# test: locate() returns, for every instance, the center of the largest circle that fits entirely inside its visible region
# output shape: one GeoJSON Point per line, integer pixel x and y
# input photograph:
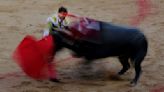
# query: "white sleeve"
{"type": "Point", "coordinates": [45, 32]}
{"type": "Point", "coordinates": [50, 19]}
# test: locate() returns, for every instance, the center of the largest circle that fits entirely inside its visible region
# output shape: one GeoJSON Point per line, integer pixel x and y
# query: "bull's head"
{"type": "Point", "coordinates": [62, 39]}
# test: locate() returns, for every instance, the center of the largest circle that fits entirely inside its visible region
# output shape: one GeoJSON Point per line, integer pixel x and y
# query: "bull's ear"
{"type": "Point", "coordinates": [66, 35]}
{"type": "Point", "coordinates": [56, 36]}
{"type": "Point", "coordinates": [62, 33]}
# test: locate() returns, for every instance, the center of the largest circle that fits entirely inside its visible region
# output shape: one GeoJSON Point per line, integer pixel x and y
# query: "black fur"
{"type": "Point", "coordinates": [123, 42]}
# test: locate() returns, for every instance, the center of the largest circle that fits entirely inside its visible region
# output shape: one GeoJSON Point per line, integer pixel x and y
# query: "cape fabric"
{"type": "Point", "coordinates": [35, 57]}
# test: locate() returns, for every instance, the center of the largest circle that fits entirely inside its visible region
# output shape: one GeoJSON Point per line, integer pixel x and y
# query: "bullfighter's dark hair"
{"type": "Point", "coordinates": [62, 9]}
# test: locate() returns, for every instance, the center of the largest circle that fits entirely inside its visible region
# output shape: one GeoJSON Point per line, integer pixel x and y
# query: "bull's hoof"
{"type": "Point", "coordinates": [87, 62]}
{"type": "Point", "coordinates": [133, 83]}
{"type": "Point", "coordinates": [54, 80]}
{"type": "Point", "coordinates": [120, 73]}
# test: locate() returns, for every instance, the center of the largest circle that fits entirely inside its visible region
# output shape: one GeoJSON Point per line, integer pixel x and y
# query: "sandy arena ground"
{"type": "Point", "coordinates": [21, 17]}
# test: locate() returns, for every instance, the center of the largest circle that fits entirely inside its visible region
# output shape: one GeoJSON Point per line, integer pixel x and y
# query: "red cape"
{"type": "Point", "coordinates": [34, 56]}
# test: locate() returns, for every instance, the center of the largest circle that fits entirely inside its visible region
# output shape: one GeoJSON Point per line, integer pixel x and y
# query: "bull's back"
{"type": "Point", "coordinates": [119, 35]}
{"type": "Point", "coordinates": [117, 40]}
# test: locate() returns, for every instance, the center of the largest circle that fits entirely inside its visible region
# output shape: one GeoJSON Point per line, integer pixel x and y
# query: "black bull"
{"type": "Point", "coordinates": [123, 42]}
